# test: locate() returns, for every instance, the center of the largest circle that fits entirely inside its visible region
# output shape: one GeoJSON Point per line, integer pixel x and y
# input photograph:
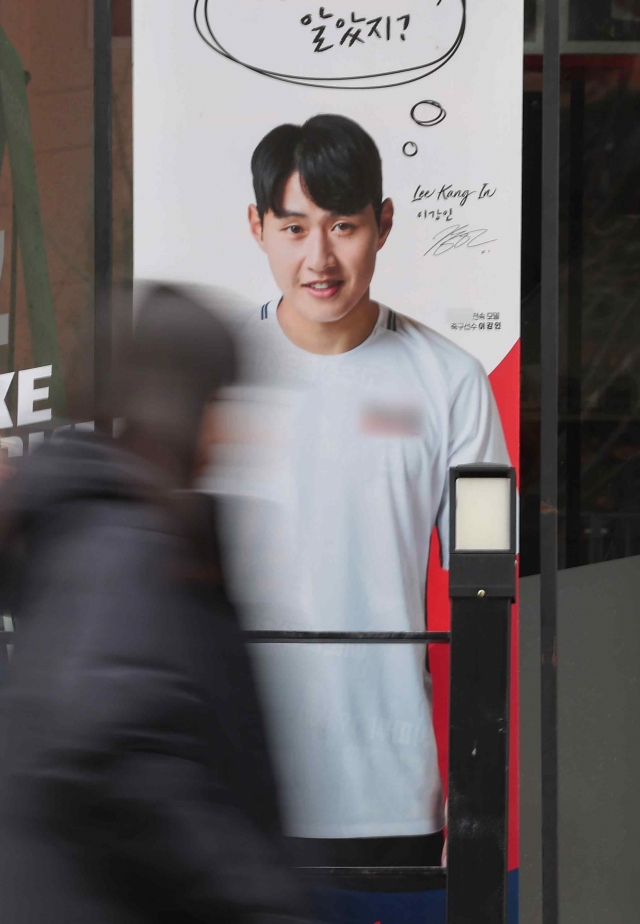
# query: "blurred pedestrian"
{"type": "Point", "coordinates": [135, 783]}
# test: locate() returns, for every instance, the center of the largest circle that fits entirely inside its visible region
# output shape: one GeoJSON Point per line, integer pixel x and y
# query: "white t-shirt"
{"type": "Point", "coordinates": [338, 481]}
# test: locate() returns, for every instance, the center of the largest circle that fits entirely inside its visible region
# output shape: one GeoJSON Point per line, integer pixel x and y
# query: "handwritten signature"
{"type": "Point", "coordinates": [456, 237]}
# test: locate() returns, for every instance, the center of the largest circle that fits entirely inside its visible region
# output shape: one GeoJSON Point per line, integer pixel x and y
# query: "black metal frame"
{"type": "Point", "coordinates": [478, 760]}
{"type": "Point", "coordinates": [413, 878]}
{"type": "Point", "coordinates": [573, 411]}
{"type": "Point", "coordinates": [549, 332]}
{"type": "Point", "coordinates": [356, 638]}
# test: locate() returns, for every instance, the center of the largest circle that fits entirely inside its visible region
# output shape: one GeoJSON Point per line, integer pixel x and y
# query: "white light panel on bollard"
{"type": "Point", "coordinates": [483, 515]}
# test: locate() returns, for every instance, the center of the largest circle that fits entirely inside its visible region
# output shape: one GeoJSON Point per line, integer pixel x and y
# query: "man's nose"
{"type": "Point", "coordinates": [320, 256]}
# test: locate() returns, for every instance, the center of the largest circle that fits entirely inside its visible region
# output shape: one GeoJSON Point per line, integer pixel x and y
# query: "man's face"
{"type": "Point", "coordinates": [323, 263]}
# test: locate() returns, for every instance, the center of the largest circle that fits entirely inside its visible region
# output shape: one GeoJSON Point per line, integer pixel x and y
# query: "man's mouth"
{"type": "Point", "coordinates": [325, 289]}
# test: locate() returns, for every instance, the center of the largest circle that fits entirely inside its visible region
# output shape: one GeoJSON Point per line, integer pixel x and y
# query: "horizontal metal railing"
{"type": "Point", "coordinates": [358, 638]}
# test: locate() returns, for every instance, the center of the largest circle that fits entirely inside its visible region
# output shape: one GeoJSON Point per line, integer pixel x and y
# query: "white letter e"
{"type": "Point", "coordinates": [28, 395]}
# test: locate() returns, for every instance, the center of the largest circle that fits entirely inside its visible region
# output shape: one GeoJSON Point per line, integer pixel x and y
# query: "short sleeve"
{"type": "Point", "coordinates": [475, 435]}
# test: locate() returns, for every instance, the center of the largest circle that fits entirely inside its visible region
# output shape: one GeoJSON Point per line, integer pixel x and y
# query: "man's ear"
{"type": "Point", "coordinates": [386, 222]}
{"type": "Point", "coordinates": [255, 224]}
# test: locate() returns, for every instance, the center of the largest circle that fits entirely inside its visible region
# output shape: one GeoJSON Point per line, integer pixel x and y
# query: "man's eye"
{"type": "Point", "coordinates": [294, 229]}
{"type": "Point", "coordinates": [344, 226]}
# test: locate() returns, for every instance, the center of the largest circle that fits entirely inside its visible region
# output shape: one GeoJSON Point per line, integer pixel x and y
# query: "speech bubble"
{"type": "Point", "coordinates": [356, 45]}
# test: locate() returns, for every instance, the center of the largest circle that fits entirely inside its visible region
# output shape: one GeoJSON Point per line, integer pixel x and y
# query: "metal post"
{"type": "Point", "coordinates": [103, 207]}
{"type": "Point", "coordinates": [549, 458]}
{"type": "Point", "coordinates": [482, 589]}
{"type": "Point", "coordinates": [478, 762]}
{"type": "Point", "coordinates": [573, 474]}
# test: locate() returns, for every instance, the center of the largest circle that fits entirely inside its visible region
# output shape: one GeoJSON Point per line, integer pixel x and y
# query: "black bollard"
{"type": "Point", "coordinates": [482, 590]}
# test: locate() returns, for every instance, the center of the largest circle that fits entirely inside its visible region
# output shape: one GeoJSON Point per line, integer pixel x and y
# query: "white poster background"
{"type": "Point", "coordinates": [199, 115]}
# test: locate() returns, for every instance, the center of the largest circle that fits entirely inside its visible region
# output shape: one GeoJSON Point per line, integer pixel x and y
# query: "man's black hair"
{"type": "Point", "coordinates": [338, 162]}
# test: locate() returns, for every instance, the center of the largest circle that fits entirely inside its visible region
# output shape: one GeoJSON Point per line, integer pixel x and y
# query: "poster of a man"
{"type": "Point", "coordinates": [375, 293]}
{"type": "Point", "coordinates": [371, 409]}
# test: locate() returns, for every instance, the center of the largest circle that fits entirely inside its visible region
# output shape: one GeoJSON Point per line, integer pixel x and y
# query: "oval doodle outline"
{"type": "Point", "coordinates": [442, 115]}
{"type": "Point", "coordinates": [406, 144]}
{"type": "Point", "coordinates": [331, 82]}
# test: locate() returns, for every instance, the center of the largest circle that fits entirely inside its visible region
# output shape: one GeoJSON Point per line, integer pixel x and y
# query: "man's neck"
{"type": "Point", "coordinates": [329, 338]}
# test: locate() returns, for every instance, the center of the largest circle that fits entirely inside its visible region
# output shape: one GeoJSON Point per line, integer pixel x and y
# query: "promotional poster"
{"type": "Point", "coordinates": [296, 109]}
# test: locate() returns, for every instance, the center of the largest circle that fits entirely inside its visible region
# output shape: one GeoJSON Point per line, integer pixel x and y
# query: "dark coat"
{"type": "Point", "coordinates": [135, 784]}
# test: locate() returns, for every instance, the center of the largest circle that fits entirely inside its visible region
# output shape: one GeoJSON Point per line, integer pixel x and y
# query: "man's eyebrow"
{"type": "Point", "coordinates": [285, 214]}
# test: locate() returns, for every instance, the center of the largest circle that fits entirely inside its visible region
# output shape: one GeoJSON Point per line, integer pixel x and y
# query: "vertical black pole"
{"type": "Point", "coordinates": [103, 207]}
{"type": "Point", "coordinates": [482, 587]}
{"type": "Point", "coordinates": [478, 761]}
{"type": "Point", "coordinates": [549, 458]}
{"type": "Point", "coordinates": [574, 327]}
